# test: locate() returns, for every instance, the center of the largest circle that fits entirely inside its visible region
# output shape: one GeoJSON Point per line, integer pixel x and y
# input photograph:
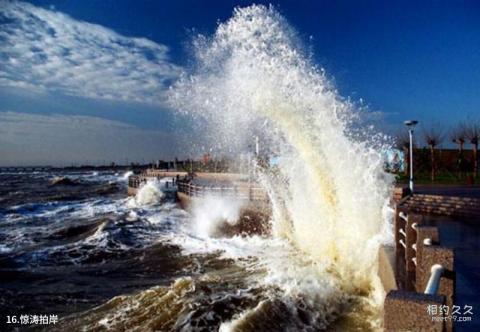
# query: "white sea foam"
{"type": "Point", "coordinates": [4, 249]}
{"type": "Point", "coordinates": [330, 191]}
{"type": "Point", "coordinates": [126, 175]}
{"type": "Point", "coordinates": [210, 212]}
{"type": "Point", "coordinates": [132, 216]}
{"type": "Point", "coordinates": [149, 193]}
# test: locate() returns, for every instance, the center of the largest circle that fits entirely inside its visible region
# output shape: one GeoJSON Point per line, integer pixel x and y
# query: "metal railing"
{"type": "Point", "coordinates": [433, 283]}
{"type": "Point", "coordinates": [423, 267]}
{"type": "Point", "coordinates": [249, 192]}
{"type": "Point", "coordinates": [437, 270]}
{"type": "Point", "coordinates": [407, 238]}
{"type": "Point", "coordinates": [136, 181]}
{"type": "Point", "coordinates": [414, 245]}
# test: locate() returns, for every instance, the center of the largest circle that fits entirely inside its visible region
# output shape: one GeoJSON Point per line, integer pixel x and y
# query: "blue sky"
{"type": "Point", "coordinates": [403, 59]}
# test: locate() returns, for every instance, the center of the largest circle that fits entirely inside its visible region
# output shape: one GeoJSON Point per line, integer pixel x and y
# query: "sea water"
{"type": "Point", "coordinates": [101, 260]}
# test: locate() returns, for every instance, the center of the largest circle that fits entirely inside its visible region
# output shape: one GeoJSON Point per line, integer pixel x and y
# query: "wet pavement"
{"type": "Point", "coordinates": [464, 237]}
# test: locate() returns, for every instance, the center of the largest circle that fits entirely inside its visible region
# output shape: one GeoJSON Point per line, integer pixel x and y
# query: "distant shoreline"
{"type": "Point", "coordinates": [73, 168]}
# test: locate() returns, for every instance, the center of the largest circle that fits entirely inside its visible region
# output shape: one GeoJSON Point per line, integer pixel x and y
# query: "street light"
{"type": "Point", "coordinates": [411, 124]}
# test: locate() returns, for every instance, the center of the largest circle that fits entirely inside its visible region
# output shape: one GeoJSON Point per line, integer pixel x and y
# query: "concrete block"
{"type": "Point", "coordinates": [438, 255]}
{"type": "Point", "coordinates": [409, 311]}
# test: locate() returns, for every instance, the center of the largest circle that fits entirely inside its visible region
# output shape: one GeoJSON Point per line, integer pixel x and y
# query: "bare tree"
{"type": "Point", "coordinates": [458, 135]}
{"type": "Point", "coordinates": [433, 137]}
{"type": "Point", "coordinates": [473, 135]}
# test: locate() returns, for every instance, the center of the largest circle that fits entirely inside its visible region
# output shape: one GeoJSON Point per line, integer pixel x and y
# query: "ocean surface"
{"type": "Point", "coordinates": [101, 260]}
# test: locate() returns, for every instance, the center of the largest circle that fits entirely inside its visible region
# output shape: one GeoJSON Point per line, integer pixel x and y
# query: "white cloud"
{"type": "Point", "coordinates": [29, 139]}
{"type": "Point", "coordinates": [45, 50]}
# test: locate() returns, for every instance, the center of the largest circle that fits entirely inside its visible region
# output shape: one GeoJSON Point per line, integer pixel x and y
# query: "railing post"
{"type": "Point", "coordinates": [400, 246]}
{"type": "Point", "coordinates": [434, 281]}
{"type": "Point", "coordinates": [425, 234]}
{"type": "Point", "coordinates": [410, 244]}
{"type": "Point", "coordinates": [407, 311]}
{"type": "Point", "coordinates": [432, 255]}
{"type": "Point", "coordinates": [398, 223]}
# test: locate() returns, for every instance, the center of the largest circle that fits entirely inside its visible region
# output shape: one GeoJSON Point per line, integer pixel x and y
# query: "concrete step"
{"type": "Point", "coordinates": [444, 205]}
{"type": "Point", "coordinates": [453, 202]}
{"type": "Point", "coordinates": [439, 210]}
{"type": "Point", "coordinates": [443, 211]}
{"type": "Point", "coordinates": [445, 199]}
{"type": "Point", "coordinates": [457, 203]}
{"type": "Point", "coordinates": [449, 198]}
{"type": "Point", "coordinates": [447, 214]}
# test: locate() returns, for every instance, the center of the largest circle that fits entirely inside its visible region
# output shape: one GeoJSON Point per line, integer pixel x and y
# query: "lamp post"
{"type": "Point", "coordinates": [411, 125]}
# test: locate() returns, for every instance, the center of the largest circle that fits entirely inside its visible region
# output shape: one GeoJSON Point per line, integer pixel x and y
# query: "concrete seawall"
{"type": "Point", "coordinates": [386, 267]}
{"type": "Point", "coordinates": [255, 212]}
{"type": "Point", "coordinates": [254, 216]}
{"type": "Point", "coordinates": [136, 181]}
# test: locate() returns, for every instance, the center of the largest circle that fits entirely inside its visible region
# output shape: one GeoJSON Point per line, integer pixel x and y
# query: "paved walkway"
{"type": "Point", "coordinates": [464, 237]}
